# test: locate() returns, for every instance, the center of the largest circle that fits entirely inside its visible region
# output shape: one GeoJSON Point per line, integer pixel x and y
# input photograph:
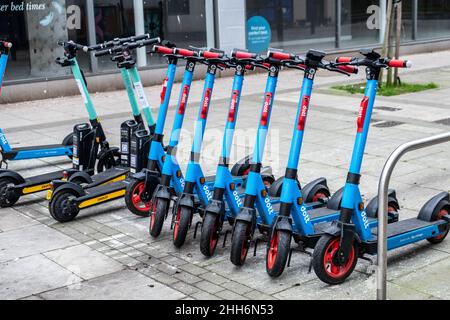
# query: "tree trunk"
{"type": "Point", "coordinates": [397, 40]}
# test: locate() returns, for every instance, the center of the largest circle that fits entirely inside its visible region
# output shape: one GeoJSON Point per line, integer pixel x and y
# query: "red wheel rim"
{"type": "Point", "coordinates": [177, 223]}
{"type": "Point", "coordinates": [246, 171]}
{"type": "Point", "coordinates": [153, 213]}
{"type": "Point", "coordinates": [214, 236]}
{"type": "Point", "coordinates": [441, 213]}
{"type": "Point", "coordinates": [244, 248]}
{"type": "Point", "coordinates": [333, 270]}
{"type": "Point", "coordinates": [273, 250]}
{"type": "Point", "coordinates": [319, 196]}
{"type": "Point", "coordinates": [138, 204]}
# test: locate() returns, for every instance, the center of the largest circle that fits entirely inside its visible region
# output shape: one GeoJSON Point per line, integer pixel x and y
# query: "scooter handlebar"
{"type": "Point", "coordinates": [399, 63]}
{"type": "Point", "coordinates": [163, 50]}
{"type": "Point", "coordinates": [344, 59]}
{"type": "Point", "coordinates": [241, 54]}
{"type": "Point", "coordinates": [278, 55]}
{"type": "Point", "coordinates": [6, 44]}
{"type": "Point", "coordinates": [212, 54]}
{"type": "Point", "coordinates": [348, 69]}
{"type": "Point", "coordinates": [73, 45]}
{"type": "Point", "coordinates": [184, 52]}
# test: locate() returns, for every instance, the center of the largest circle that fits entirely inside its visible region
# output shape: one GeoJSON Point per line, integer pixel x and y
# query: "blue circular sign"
{"type": "Point", "coordinates": [259, 34]}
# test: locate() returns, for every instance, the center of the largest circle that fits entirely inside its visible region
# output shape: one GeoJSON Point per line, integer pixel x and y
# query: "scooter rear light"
{"type": "Point", "coordinates": [65, 175]}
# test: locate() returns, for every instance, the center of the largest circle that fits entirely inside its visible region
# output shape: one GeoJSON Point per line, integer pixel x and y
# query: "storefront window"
{"type": "Point", "coordinates": [433, 19]}
{"type": "Point", "coordinates": [182, 22]}
{"type": "Point", "coordinates": [34, 27]}
{"type": "Point", "coordinates": [360, 23]}
{"type": "Point", "coordinates": [296, 24]}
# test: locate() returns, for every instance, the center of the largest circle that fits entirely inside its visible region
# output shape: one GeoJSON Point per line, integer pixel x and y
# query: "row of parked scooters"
{"type": "Point", "coordinates": [144, 171]}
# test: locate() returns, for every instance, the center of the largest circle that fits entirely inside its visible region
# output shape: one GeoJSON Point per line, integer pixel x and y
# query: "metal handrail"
{"type": "Point", "coordinates": [383, 202]}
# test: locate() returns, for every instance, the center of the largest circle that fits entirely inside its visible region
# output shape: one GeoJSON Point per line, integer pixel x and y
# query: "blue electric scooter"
{"type": "Point", "coordinates": [227, 196]}
{"type": "Point", "coordinates": [9, 153]}
{"type": "Point", "coordinates": [163, 169]}
{"type": "Point", "coordinates": [337, 251]}
{"type": "Point", "coordinates": [314, 196]}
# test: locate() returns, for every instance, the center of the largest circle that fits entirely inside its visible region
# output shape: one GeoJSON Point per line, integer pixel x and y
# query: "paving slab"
{"type": "Point", "coordinates": [31, 275]}
{"type": "Point", "coordinates": [84, 262]}
{"type": "Point", "coordinates": [31, 240]}
{"type": "Point", "coordinates": [127, 284]}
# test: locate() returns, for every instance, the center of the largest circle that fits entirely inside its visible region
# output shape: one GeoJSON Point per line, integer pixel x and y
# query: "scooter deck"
{"type": "Point", "coordinates": [314, 213]}
{"type": "Point", "coordinates": [102, 190]}
{"type": "Point", "coordinates": [403, 226]}
{"type": "Point", "coordinates": [42, 178]}
{"type": "Point", "coordinates": [107, 176]}
{"type": "Point", "coordinates": [31, 148]}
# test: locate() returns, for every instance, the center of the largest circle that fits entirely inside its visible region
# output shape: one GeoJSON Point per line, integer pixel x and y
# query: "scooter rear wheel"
{"type": "Point", "coordinates": [108, 160]}
{"type": "Point", "coordinates": [160, 208]}
{"type": "Point", "coordinates": [438, 215]}
{"type": "Point", "coordinates": [8, 198]}
{"type": "Point", "coordinates": [68, 142]}
{"type": "Point", "coordinates": [240, 243]}
{"type": "Point", "coordinates": [325, 260]}
{"type": "Point", "coordinates": [182, 221]}
{"type": "Point", "coordinates": [60, 209]}
{"type": "Point", "coordinates": [133, 198]}
{"type": "Point", "coordinates": [210, 234]}
{"type": "Point", "coordinates": [277, 252]}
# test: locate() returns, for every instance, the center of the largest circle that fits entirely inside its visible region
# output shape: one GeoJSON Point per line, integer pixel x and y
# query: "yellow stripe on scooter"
{"type": "Point", "coordinates": [110, 196]}
{"type": "Point", "coordinates": [120, 178]}
{"type": "Point", "coordinates": [38, 188]}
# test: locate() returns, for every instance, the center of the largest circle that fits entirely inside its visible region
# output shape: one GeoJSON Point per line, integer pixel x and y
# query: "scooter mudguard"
{"type": "Point", "coordinates": [139, 176]}
{"type": "Point", "coordinates": [186, 200]}
{"type": "Point", "coordinates": [339, 229]}
{"type": "Point", "coordinates": [241, 166]}
{"type": "Point", "coordinates": [108, 153]}
{"type": "Point", "coordinates": [163, 192]}
{"type": "Point", "coordinates": [61, 185]}
{"type": "Point", "coordinates": [80, 175]}
{"type": "Point", "coordinates": [334, 203]}
{"type": "Point", "coordinates": [310, 189]}
{"type": "Point", "coordinates": [372, 206]}
{"type": "Point", "coordinates": [216, 207]}
{"type": "Point", "coordinates": [275, 188]}
{"type": "Point", "coordinates": [247, 215]}
{"type": "Point", "coordinates": [433, 205]}
{"type": "Point", "coordinates": [283, 223]}
{"type": "Point", "coordinates": [11, 174]}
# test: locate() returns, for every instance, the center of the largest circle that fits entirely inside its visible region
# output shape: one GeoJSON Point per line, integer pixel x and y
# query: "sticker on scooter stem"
{"type": "Point", "coordinates": [81, 89]}
{"type": "Point", "coordinates": [362, 113]}
{"type": "Point", "coordinates": [163, 90]}
{"type": "Point", "coordinates": [266, 109]}
{"type": "Point", "coordinates": [303, 112]}
{"type": "Point", "coordinates": [205, 105]}
{"type": "Point", "coordinates": [232, 113]}
{"type": "Point", "coordinates": [141, 94]}
{"type": "Point", "coordinates": [183, 101]}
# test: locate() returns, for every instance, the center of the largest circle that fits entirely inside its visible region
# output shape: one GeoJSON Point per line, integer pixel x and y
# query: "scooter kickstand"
{"type": "Point", "coordinates": [199, 223]}
{"type": "Point", "coordinates": [227, 232]}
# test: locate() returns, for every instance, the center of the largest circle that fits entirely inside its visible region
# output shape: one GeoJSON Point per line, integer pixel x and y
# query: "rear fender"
{"type": "Point", "coordinates": [372, 206]}
{"type": "Point", "coordinates": [334, 203]}
{"type": "Point", "coordinates": [241, 166]}
{"type": "Point", "coordinates": [68, 186]}
{"type": "Point", "coordinates": [433, 205]}
{"type": "Point", "coordinates": [283, 223]}
{"type": "Point", "coordinates": [13, 175]}
{"type": "Point", "coordinates": [81, 175]}
{"type": "Point", "coordinates": [310, 189]}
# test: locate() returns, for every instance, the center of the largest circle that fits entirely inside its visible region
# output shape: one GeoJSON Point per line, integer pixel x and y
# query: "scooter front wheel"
{"type": "Point", "coordinates": [326, 263]}
{"type": "Point", "coordinates": [277, 252]}
{"type": "Point", "coordinates": [240, 242]}
{"type": "Point", "coordinates": [210, 234]}
{"type": "Point", "coordinates": [8, 198]}
{"type": "Point", "coordinates": [134, 201]}
{"type": "Point", "coordinates": [183, 217]}
{"type": "Point", "coordinates": [158, 214]}
{"type": "Point", "coordinates": [61, 209]}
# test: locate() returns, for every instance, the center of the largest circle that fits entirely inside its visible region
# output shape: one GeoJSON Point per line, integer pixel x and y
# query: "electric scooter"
{"type": "Point", "coordinates": [68, 197]}
{"type": "Point", "coordinates": [227, 197]}
{"type": "Point", "coordinates": [197, 190]}
{"type": "Point", "coordinates": [314, 196]}
{"type": "Point", "coordinates": [8, 153]}
{"type": "Point", "coordinates": [142, 184]}
{"type": "Point", "coordinates": [89, 143]}
{"type": "Point", "coordinates": [345, 240]}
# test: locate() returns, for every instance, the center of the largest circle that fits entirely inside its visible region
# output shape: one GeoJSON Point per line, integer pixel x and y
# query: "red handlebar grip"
{"type": "Point", "coordinates": [399, 63]}
{"type": "Point", "coordinates": [349, 69]}
{"type": "Point", "coordinates": [162, 50]}
{"type": "Point", "coordinates": [244, 55]}
{"type": "Point", "coordinates": [343, 59]}
{"type": "Point", "coordinates": [211, 55]}
{"type": "Point", "coordinates": [7, 44]}
{"type": "Point", "coordinates": [280, 55]}
{"type": "Point", "coordinates": [184, 52]}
